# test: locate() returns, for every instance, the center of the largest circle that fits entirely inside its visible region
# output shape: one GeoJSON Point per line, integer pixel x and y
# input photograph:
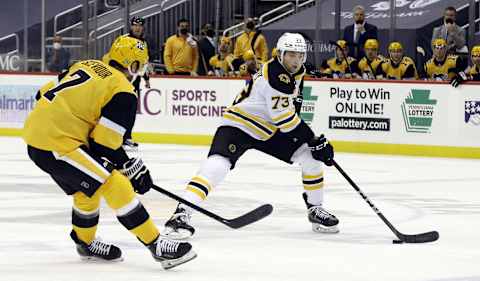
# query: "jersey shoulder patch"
{"type": "Point", "coordinates": [278, 78]}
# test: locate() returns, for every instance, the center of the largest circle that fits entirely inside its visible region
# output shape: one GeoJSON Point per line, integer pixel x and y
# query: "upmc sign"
{"type": "Point", "coordinates": [9, 62]}
{"type": "Point", "coordinates": [188, 106]}
{"type": "Point", "coordinates": [151, 102]}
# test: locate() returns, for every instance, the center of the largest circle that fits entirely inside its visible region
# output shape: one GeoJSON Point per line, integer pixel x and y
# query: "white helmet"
{"type": "Point", "coordinates": [291, 42]}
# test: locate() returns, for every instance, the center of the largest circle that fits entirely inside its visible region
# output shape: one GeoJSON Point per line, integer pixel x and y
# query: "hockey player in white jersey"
{"type": "Point", "coordinates": [265, 117]}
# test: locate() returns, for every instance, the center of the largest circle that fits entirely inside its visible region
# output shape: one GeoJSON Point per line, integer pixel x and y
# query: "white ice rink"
{"type": "Point", "coordinates": [415, 194]}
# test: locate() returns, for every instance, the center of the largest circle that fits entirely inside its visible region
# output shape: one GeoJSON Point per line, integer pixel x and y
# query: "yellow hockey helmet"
{"type": "Point", "coordinates": [439, 43]}
{"type": "Point", "coordinates": [342, 44]}
{"type": "Point", "coordinates": [395, 46]}
{"type": "Point", "coordinates": [371, 44]}
{"type": "Point", "coordinates": [476, 51]}
{"type": "Point", "coordinates": [129, 52]}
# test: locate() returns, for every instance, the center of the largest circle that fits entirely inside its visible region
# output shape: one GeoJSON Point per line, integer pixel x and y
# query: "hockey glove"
{"type": "Point", "coordinates": [458, 79]}
{"type": "Point", "coordinates": [321, 150]}
{"type": "Point", "coordinates": [138, 174]}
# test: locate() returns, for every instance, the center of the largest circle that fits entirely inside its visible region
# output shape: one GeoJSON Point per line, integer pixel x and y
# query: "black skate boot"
{"type": "Point", "coordinates": [97, 250]}
{"type": "Point", "coordinates": [171, 253]}
{"type": "Point", "coordinates": [178, 226]}
{"type": "Point", "coordinates": [322, 221]}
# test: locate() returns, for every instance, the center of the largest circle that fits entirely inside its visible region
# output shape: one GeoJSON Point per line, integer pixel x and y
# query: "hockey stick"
{"type": "Point", "coordinates": [241, 221]}
{"type": "Point", "coordinates": [407, 238]}
{"type": "Point", "coordinates": [344, 55]}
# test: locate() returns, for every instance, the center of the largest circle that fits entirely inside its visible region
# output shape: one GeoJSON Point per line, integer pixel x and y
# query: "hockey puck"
{"type": "Point", "coordinates": [397, 241]}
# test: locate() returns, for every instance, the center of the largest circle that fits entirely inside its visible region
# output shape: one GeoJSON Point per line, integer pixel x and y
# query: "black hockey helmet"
{"type": "Point", "coordinates": [137, 20]}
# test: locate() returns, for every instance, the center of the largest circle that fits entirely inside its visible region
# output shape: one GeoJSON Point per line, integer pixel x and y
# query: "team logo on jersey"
{"type": "Point", "coordinates": [140, 45]}
{"type": "Point", "coordinates": [232, 148]}
{"type": "Point", "coordinates": [418, 109]}
{"type": "Point", "coordinates": [284, 78]}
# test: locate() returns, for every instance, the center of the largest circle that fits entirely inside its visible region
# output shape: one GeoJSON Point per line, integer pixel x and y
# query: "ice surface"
{"type": "Point", "coordinates": [415, 194]}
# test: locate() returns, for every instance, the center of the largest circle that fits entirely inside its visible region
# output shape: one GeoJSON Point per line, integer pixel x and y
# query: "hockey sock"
{"type": "Point", "coordinates": [313, 186]}
{"type": "Point", "coordinates": [212, 172]}
{"type": "Point", "coordinates": [119, 195]}
{"type": "Point", "coordinates": [85, 215]}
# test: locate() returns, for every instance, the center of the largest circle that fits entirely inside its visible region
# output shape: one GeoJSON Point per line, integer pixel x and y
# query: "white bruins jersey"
{"type": "Point", "coordinates": [266, 104]}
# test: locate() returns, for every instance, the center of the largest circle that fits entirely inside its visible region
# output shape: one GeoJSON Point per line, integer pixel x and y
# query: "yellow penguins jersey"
{"type": "Point", "coordinates": [441, 70]}
{"type": "Point", "coordinates": [473, 72]}
{"type": "Point", "coordinates": [224, 65]}
{"type": "Point", "coordinates": [404, 70]}
{"type": "Point", "coordinates": [368, 69]}
{"type": "Point", "coordinates": [266, 104]}
{"type": "Point", "coordinates": [335, 68]}
{"type": "Point", "coordinates": [91, 100]}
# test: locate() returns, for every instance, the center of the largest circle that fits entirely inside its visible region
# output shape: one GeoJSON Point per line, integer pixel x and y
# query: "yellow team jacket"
{"type": "Point", "coordinates": [474, 73]}
{"type": "Point", "coordinates": [179, 55]}
{"type": "Point", "coordinates": [244, 43]}
{"type": "Point", "coordinates": [369, 68]}
{"type": "Point", "coordinates": [441, 70]}
{"type": "Point", "coordinates": [223, 64]}
{"type": "Point", "coordinates": [405, 69]}
{"type": "Point", "coordinates": [333, 66]}
{"type": "Point", "coordinates": [69, 111]}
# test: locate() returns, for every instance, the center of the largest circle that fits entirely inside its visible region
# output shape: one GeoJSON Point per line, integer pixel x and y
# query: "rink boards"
{"type": "Point", "coordinates": [405, 117]}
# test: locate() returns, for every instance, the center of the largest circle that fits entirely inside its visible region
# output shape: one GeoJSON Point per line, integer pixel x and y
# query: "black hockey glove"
{"type": "Point", "coordinates": [297, 102]}
{"type": "Point", "coordinates": [138, 174]}
{"type": "Point", "coordinates": [458, 79]}
{"type": "Point", "coordinates": [321, 150]}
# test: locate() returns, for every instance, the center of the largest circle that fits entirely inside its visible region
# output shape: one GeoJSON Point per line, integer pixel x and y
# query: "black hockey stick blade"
{"type": "Point", "coordinates": [418, 238]}
{"type": "Point", "coordinates": [407, 238]}
{"type": "Point", "coordinates": [241, 221]}
{"type": "Point", "coordinates": [250, 217]}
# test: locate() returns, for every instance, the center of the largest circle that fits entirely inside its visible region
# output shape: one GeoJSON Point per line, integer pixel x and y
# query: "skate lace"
{"type": "Point", "coordinates": [100, 248]}
{"type": "Point", "coordinates": [168, 246]}
{"type": "Point", "coordinates": [320, 212]}
{"type": "Point", "coordinates": [182, 216]}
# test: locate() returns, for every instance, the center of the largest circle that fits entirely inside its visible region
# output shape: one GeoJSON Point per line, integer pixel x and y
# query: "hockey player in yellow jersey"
{"type": "Point", "coordinates": [473, 71]}
{"type": "Point", "coordinates": [75, 133]}
{"type": "Point", "coordinates": [266, 118]}
{"type": "Point", "coordinates": [222, 62]}
{"type": "Point", "coordinates": [338, 66]}
{"type": "Point", "coordinates": [369, 63]}
{"type": "Point", "coordinates": [397, 66]}
{"type": "Point", "coordinates": [251, 64]}
{"type": "Point", "coordinates": [443, 67]}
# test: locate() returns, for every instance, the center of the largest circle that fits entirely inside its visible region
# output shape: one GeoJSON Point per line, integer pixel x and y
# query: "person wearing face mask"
{"type": "Point", "coordinates": [358, 33]}
{"type": "Point", "coordinates": [58, 58]}
{"type": "Point", "coordinates": [265, 116]}
{"type": "Point", "coordinates": [207, 48]}
{"type": "Point", "coordinates": [453, 34]}
{"type": "Point", "coordinates": [251, 39]}
{"type": "Point", "coordinates": [181, 51]}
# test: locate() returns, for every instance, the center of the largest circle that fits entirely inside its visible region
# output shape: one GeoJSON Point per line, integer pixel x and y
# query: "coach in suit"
{"type": "Point", "coordinates": [357, 33]}
{"type": "Point", "coordinates": [451, 32]}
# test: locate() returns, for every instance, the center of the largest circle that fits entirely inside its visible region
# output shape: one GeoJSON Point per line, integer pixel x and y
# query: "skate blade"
{"type": "Point", "coordinates": [318, 228]}
{"type": "Point", "coordinates": [168, 264]}
{"type": "Point", "coordinates": [179, 234]}
{"type": "Point", "coordinates": [99, 260]}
